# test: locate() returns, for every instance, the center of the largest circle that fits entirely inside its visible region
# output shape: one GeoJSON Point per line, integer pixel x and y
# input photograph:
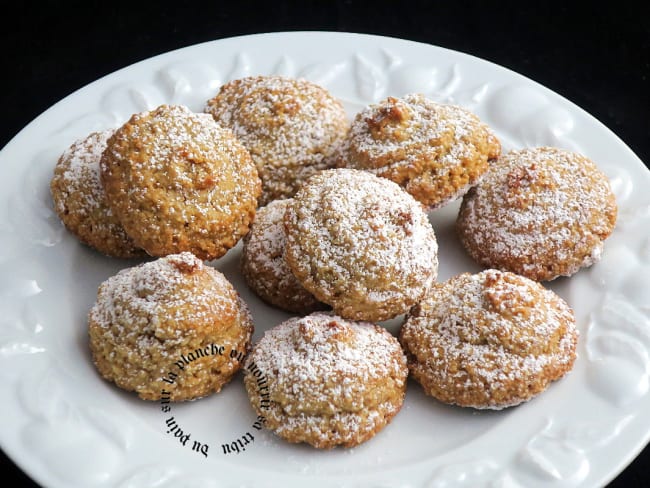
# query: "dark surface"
{"type": "Point", "coordinates": [598, 57]}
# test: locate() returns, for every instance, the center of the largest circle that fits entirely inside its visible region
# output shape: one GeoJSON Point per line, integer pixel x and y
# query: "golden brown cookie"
{"type": "Point", "coordinates": [435, 152]}
{"type": "Point", "coordinates": [263, 265]}
{"type": "Point", "coordinates": [166, 329]}
{"type": "Point", "coordinates": [290, 126]}
{"type": "Point", "coordinates": [80, 202]}
{"type": "Point", "coordinates": [540, 212]}
{"type": "Point", "coordinates": [179, 182]}
{"type": "Point", "coordinates": [489, 340]}
{"type": "Point", "coordinates": [326, 381]}
{"type": "Point", "coordinates": [360, 244]}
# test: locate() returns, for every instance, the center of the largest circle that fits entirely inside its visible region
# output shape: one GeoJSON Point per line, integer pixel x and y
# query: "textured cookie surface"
{"type": "Point", "coordinates": [80, 202]}
{"type": "Point", "coordinates": [290, 126]}
{"type": "Point", "coordinates": [436, 152]}
{"type": "Point", "coordinates": [326, 381]}
{"type": "Point", "coordinates": [180, 182]}
{"type": "Point", "coordinates": [489, 340]}
{"type": "Point", "coordinates": [173, 315]}
{"type": "Point", "coordinates": [540, 212]}
{"type": "Point", "coordinates": [264, 267]}
{"type": "Point", "coordinates": [360, 244]}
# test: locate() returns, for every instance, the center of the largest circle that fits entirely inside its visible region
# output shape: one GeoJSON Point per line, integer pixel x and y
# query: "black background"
{"type": "Point", "coordinates": [596, 56]}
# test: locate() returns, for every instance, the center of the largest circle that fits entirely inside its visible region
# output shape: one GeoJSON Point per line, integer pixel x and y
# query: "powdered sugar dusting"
{"type": "Point", "coordinates": [328, 367]}
{"type": "Point", "coordinates": [540, 206]}
{"type": "Point", "coordinates": [267, 97]}
{"type": "Point", "coordinates": [267, 248]}
{"type": "Point", "coordinates": [351, 232]}
{"type": "Point", "coordinates": [263, 263]}
{"type": "Point", "coordinates": [480, 334]}
{"type": "Point", "coordinates": [423, 123]}
{"type": "Point", "coordinates": [81, 173]}
{"type": "Point", "coordinates": [435, 151]}
{"type": "Point", "coordinates": [170, 324]}
{"type": "Point", "coordinates": [173, 288]}
{"type": "Point", "coordinates": [290, 126]}
{"type": "Point", "coordinates": [80, 201]}
{"type": "Point", "coordinates": [323, 345]}
{"type": "Point", "coordinates": [180, 182]}
{"type": "Point", "coordinates": [174, 133]}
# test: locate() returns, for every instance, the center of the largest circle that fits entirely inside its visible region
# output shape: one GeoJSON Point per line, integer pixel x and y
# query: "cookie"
{"type": "Point", "coordinates": [539, 212]}
{"type": "Point", "coordinates": [178, 182]}
{"type": "Point", "coordinates": [326, 381]}
{"type": "Point", "coordinates": [166, 328]}
{"type": "Point", "coordinates": [489, 340]}
{"type": "Point", "coordinates": [263, 265]}
{"type": "Point", "coordinates": [80, 202]}
{"type": "Point", "coordinates": [290, 126]}
{"type": "Point", "coordinates": [360, 244]}
{"type": "Point", "coordinates": [436, 152]}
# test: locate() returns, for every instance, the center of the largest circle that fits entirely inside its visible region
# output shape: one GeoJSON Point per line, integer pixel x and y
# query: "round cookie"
{"type": "Point", "coordinates": [180, 182]}
{"type": "Point", "coordinates": [173, 318]}
{"type": "Point", "coordinates": [540, 212]}
{"type": "Point", "coordinates": [326, 381]}
{"type": "Point", "coordinates": [80, 202]}
{"type": "Point", "coordinates": [436, 152]}
{"type": "Point", "coordinates": [489, 340]}
{"type": "Point", "coordinates": [263, 265]}
{"type": "Point", "coordinates": [360, 244]}
{"type": "Point", "coordinates": [290, 126]}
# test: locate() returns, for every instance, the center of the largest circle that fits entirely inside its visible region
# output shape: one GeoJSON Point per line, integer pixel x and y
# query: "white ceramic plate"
{"type": "Point", "coordinates": [67, 428]}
